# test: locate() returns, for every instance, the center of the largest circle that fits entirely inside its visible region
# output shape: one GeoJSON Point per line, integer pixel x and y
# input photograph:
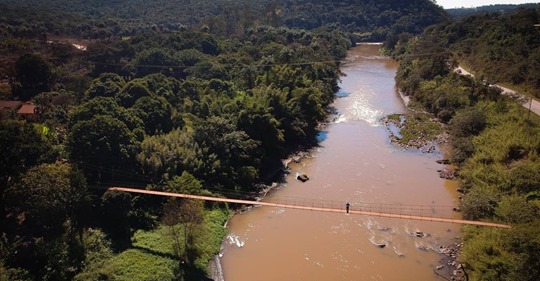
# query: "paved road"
{"type": "Point", "coordinates": [533, 104]}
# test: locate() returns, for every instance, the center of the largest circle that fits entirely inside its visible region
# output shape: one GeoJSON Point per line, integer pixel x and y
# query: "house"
{"type": "Point", "coordinates": [18, 109]}
{"type": "Point", "coordinates": [28, 111]}
{"type": "Point", "coordinates": [8, 108]}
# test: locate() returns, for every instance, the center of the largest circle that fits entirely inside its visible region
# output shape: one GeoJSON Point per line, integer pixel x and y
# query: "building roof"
{"type": "Point", "coordinates": [10, 104]}
{"type": "Point", "coordinates": [27, 108]}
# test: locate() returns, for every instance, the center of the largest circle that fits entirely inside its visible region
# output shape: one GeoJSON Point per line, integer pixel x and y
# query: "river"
{"type": "Point", "coordinates": [354, 163]}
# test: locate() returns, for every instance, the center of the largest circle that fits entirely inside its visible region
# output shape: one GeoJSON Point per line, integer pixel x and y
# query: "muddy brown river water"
{"type": "Point", "coordinates": [355, 163]}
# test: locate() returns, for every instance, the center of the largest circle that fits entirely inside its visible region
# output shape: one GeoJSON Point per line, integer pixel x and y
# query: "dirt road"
{"type": "Point", "coordinates": [528, 103]}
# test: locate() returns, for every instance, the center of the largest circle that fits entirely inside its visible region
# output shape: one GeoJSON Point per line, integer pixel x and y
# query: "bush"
{"type": "Point", "coordinates": [479, 203]}
{"type": "Point", "coordinates": [468, 122]}
{"type": "Point", "coordinates": [462, 149]}
{"type": "Point", "coordinates": [516, 209]}
{"type": "Point", "coordinates": [525, 178]}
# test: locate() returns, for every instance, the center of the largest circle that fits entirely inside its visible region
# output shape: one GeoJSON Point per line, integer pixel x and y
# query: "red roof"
{"type": "Point", "coordinates": [27, 108]}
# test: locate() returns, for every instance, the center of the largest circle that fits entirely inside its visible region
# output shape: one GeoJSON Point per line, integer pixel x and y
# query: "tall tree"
{"type": "Point", "coordinates": [49, 195]}
{"type": "Point", "coordinates": [33, 76]}
{"type": "Point", "coordinates": [230, 157]}
{"type": "Point", "coordinates": [48, 204]}
{"type": "Point", "coordinates": [104, 148]}
{"type": "Point", "coordinates": [156, 114]}
{"type": "Point", "coordinates": [22, 147]}
{"type": "Point", "coordinates": [189, 214]}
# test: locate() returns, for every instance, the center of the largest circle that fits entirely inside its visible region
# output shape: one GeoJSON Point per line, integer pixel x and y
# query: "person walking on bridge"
{"type": "Point", "coordinates": [347, 207]}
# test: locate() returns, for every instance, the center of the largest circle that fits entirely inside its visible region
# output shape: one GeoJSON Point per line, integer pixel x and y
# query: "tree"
{"type": "Point", "coordinates": [49, 203]}
{"type": "Point", "coordinates": [131, 92]}
{"type": "Point", "coordinates": [524, 240]}
{"type": "Point", "coordinates": [54, 107]}
{"type": "Point", "coordinates": [468, 122]}
{"type": "Point", "coordinates": [168, 155]}
{"type": "Point", "coordinates": [186, 183]}
{"type": "Point", "coordinates": [189, 214]}
{"type": "Point", "coordinates": [166, 87]}
{"type": "Point", "coordinates": [33, 75]}
{"type": "Point", "coordinates": [207, 70]}
{"type": "Point", "coordinates": [156, 113]}
{"type": "Point", "coordinates": [106, 85]}
{"type": "Point", "coordinates": [264, 128]}
{"type": "Point", "coordinates": [48, 195]}
{"type": "Point", "coordinates": [22, 147]}
{"type": "Point", "coordinates": [116, 208]}
{"type": "Point", "coordinates": [525, 178]}
{"type": "Point", "coordinates": [105, 106]}
{"type": "Point", "coordinates": [155, 60]}
{"type": "Point", "coordinates": [486, 257]}
{"type": "Point", "coordinates": [230, 157]}
{"type": "Point", "coordinates": [98, 251]}
{"type": "Point", "coordinates": [516, 209]}
{"type": "Point", "coordinates": [103, 147]}
{"type": "Point", "coordinates": [102, 89]}
{"type": "Point", "coordinates": [190, 57]}
{"type": "Point", "coordinates": [479, 203]}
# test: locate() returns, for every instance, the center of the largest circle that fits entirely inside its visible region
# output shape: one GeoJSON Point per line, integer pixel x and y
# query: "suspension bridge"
{"type": "Point", "coordinates": [321, 207]}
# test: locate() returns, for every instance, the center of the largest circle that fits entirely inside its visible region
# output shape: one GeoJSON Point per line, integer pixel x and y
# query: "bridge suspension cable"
{"type": "Point", "coordinates": [313, 208]}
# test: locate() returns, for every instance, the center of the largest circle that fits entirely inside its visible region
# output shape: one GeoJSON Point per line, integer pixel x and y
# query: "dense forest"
{"type": "Point", "coordinates": [495, 141]}
{"type": "Point", "coordinates": [497, 8]}
{"type": "Point", "coordinates": [199, 97]}
{"type": "Point", "coordinates": [102, 19]}
{"type": "Point", "coordinates": [173, 112]}
{"type": "Point", "coordinates": [206, 97]}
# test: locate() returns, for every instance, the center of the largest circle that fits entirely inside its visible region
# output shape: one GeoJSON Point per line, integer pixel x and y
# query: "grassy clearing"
{"type": "Point", "coordinates": [209, 243]}
{"type": "Point", "coordinates": [152, 257]}
{"type": "Point", "coordinates": [136, 264]}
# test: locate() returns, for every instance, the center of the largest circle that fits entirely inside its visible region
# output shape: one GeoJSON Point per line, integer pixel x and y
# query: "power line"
{"type": "Point", "coordinates": [223, 65]}
{"type": "Point", "coordinates": [231, 65]}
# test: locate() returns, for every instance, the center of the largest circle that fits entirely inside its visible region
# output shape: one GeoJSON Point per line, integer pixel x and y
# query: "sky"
{"type": "Point", "coordinates": [448, 4]}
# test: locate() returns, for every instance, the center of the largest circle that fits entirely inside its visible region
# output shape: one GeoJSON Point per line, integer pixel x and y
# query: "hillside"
{"type": "Point", "coordinates": [509, 8]}
{"type": "Point", "coordinates": [500, 47]}
{"type": "Point", "coordinates": [101, 19]}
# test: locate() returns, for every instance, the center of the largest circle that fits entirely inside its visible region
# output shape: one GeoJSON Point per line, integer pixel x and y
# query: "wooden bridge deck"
{"type": "Point", "coordinates": [311, 208]}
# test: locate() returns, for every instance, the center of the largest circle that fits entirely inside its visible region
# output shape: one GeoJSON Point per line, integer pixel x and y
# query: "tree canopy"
{"type": "Point", "coordinates": [204, 99]}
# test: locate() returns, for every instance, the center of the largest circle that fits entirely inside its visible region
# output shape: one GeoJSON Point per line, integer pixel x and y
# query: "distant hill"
{"type": "Point", "coordinates": [370, 19]}
{"type": "Point", "coordinates": [503, 47]}
{"type": "Point", "coordinates": [504, 8]}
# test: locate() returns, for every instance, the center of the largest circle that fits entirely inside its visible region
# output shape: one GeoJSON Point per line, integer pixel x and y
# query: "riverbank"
{"type": "Point", "coordinates": [354, 163]}
{"type": "Point", "coordinates": [215, 268]}
{"type": "Point", "coordinates": [420, 131]}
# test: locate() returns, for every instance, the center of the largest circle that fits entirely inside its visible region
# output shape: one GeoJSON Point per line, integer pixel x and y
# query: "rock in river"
{"type": "Point", "coordinates": [302, 177]}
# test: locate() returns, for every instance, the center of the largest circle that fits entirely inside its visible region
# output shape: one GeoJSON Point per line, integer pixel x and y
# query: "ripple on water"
{"type": "Point", "coordinates": [362, 110]}
{"type": "Point", "coordinates": [340, 119]}
{"type": "Point", "coordinates": [235, 240]}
